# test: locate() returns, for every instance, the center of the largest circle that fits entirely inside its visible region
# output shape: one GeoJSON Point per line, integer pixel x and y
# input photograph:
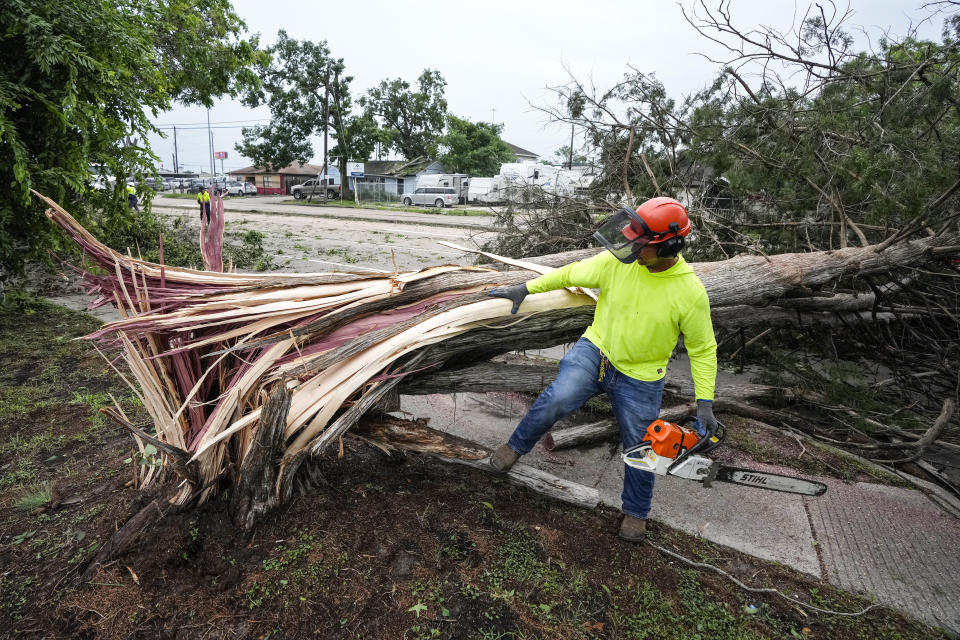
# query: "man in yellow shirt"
{"type": "Point", "coordinates": [648, 296]}
{"type": "Point", "coordinates": [132, 200]}
{"type": "Point", "coordinates": [203, 199]}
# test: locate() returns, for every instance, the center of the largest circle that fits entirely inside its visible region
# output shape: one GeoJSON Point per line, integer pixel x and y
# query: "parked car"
{"type": "Point", "coordinates": [195, 185]}
{"type": "Point", "coordinates": [437, 196]}
{"type": "Point", "coordinates": [249, 189]}
{"type": "Point", "coordinates": [233, 189]}
{"type": "Point", "coordinates": [316, 186]}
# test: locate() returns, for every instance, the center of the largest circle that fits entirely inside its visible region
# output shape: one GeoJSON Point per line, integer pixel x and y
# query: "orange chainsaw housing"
{"type": "Point", "coordinates": [668, 439]}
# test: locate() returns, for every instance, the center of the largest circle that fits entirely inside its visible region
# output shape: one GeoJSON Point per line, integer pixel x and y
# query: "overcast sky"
{"type": "Point", "coordinates": [498, 57]}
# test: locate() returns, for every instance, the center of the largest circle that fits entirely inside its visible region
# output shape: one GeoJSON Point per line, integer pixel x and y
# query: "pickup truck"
{"type": "Point", "coordinates": [317, 187]}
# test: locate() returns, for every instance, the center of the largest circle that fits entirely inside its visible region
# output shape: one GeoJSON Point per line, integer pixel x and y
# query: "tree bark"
{"type": "Point", "coordinates": [482, 377]}
{"type": "Point", "coordinates": [545, 483]}
{"type": "Point", "coordinates": [415, 435]}
{"type": "Point", "coordinates": [255, 494]}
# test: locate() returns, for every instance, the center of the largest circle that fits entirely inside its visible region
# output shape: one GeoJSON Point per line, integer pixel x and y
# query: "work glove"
{"type": "Point", "coordinates": [706, 422]}
{"type": "Point", "coordinates": [516, 293]}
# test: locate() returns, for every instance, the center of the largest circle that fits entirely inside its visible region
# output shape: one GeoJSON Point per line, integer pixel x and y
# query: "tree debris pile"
{"type": "Point", "coordinates": [231, 366]}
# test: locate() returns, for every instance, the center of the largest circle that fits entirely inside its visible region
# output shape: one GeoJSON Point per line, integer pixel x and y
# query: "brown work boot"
{"type": "Point", "coordinates": [633, 529]}
{"type": "Point", "coordinates": [504, 458]}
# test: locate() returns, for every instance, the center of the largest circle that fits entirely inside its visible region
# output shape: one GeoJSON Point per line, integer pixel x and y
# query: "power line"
{"type": "Point", "coordinates": [204, 127]}
{"type": "Point", "coordinates": [204, 124]}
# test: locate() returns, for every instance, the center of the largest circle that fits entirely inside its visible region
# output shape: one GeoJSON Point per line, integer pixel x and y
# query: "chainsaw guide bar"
{"type": "Point", "coordinates": [772, 481]}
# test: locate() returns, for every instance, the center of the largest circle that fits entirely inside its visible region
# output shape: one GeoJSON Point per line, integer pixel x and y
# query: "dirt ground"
{"type": "Point", "coordinates": [302, 243]}
{"type": "Point", "coordinates": [388, 547]}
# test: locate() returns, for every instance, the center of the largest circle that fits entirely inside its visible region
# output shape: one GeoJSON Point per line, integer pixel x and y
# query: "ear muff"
{"type": "Point", "coordinates": [670, 247]}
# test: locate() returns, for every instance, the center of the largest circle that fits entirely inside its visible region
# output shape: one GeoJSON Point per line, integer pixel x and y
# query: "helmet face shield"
{"type": "Point", "coordinates": [622, 234]}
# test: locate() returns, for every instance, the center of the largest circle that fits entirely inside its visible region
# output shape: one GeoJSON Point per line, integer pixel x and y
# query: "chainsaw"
{"type": "Point", "coordinates": [669, 449]}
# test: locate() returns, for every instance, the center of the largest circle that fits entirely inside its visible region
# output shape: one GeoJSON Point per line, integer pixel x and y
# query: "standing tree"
{"type": "Point", "coordinates": [78, 82]}
{"type": "Point", "coordinates": [304, 87]}
{"type": "Point", "coordinates": [473, 148]}
{"type": "Point", "coordinates": [413, 119]}
{"type": "Point", "coordinates": [570, 157]}
{"type": "Point", "coordinates": [308, 94]}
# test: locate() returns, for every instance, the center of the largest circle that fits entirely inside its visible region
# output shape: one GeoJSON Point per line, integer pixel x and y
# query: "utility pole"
{"type": "Point", "coordinates": [570, 163]}
{"type": "Point", "coordinates": [493, 117]}
{"type": "Point", "coordinates": [176, 160]}
{"type": "Point", "coordinates": [326, 120]}
{"type": "Point", "coordinates": [210, 142]}
{"type": "Point", "coordinates": [326, 124]}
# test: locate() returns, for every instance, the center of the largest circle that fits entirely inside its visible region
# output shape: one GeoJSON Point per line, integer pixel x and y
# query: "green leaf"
{"type": "Point", "coordinates": [26, 535]}
{"type": "Point", "coordinates": [418, 608]}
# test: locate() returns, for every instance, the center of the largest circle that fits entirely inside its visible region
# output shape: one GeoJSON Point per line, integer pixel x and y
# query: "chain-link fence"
{"type": "Point", "coordinates": [377, 192]}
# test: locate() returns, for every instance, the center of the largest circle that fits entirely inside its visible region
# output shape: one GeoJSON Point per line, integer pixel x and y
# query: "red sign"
{"type": "Point", "coordinates": [220, 155]}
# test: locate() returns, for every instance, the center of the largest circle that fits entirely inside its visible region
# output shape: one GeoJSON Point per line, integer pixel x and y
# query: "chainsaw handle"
{"type": "Point", "coordinates": [710, 445]}
{"type": "Point", "coordinates": [703, 445]}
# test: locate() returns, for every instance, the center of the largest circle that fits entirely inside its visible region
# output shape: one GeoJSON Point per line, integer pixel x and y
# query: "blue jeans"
{"type": "Point", "coordinates": [636, 404]}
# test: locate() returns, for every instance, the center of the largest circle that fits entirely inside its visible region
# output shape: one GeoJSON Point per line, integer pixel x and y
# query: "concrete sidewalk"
{"type": "Point", "coordinates": [892, 544]}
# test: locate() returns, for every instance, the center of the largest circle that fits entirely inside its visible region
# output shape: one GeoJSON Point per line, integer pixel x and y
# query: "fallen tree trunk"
{"type": "Point", "coordinates": [607, 430]}
{"type": "Point", "coordinates": [482, 377]}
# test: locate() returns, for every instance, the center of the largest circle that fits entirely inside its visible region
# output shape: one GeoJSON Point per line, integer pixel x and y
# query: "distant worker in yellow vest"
{"type": "Point", "coordinates": [132, 201]}
{"type": "Point", "coordinates": [203, 198]}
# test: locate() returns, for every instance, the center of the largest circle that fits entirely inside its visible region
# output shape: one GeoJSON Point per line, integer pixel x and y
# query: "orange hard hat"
{"type": "Point", "coordinates": [657, 220]}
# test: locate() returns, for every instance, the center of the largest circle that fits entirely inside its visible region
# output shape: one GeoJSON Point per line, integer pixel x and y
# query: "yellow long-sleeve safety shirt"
{"type": "Point", "coordinates": [203, 196]}
{"type": "Point", "coordinates": [640, 315]}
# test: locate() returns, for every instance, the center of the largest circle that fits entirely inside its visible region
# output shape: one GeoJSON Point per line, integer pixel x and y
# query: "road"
{"type": "Point", "coordinates": [306, 238]}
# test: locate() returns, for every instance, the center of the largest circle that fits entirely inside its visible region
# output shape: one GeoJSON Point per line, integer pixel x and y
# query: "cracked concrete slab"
{"type": "Point", "coordinates": [892, 544]}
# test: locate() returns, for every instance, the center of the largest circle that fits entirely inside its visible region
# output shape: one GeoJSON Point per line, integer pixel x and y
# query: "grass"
{"type": "Point", "coordinates": [295, 571]}
{"type": "Point", "coordinates": [35, 498]}
{"type": "Point", "coordinates": [52, 387]}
